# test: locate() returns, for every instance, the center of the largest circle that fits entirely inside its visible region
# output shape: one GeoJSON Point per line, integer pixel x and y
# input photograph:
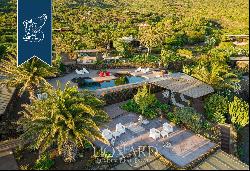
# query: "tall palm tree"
{"type": "Point", "coordinates": [28, 77]}
{"type": "Point", "coordinates": [67, 116]}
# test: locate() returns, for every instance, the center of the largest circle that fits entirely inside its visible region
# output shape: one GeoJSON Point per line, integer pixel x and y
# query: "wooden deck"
{"type": "Point", "coordinates": [5, 97]}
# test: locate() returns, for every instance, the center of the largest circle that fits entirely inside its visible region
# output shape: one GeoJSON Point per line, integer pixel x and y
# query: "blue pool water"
{"type": "Point", "coordinates": [90, 85]}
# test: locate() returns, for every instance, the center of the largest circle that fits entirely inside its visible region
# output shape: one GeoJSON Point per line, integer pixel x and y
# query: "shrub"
{"type": "Point", "coordinates": [43, 163]}
{"type": "Point", "coordinates": [185, 53]}
{"type": "Point", "coordinates": [172, 118]}
{"type": "Point", "coordinates": [150, 112]}
{"type": "Point", "coordinates": [151, 106]}
{"type": "Point", "coordinates": [216, 108]}
{"type": "Point", "coordinates": [238, 111]}
{"type": "Point", "coordinates": [190, 118]}
{"type": "Point", "coordinates": [193, 121]}
{"type": "Point", "coordinates": [144, 98]}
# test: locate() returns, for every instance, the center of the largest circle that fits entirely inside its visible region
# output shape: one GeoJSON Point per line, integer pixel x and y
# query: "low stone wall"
{"type": "Point", "coordinates": [116, 96]}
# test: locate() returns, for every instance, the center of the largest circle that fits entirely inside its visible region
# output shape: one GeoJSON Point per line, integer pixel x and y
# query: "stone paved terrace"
{"type": "Point", "coordinates": [185, 145]}
{"type": "Point", "coordinates": [8, 161]}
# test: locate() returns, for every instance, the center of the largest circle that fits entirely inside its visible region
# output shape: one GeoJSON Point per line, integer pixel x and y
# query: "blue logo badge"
{"type": "Point", "coordinates": [34, 30]}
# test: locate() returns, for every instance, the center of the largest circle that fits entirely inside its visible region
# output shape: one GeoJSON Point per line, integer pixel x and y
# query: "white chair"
{"type": "Point", "coordinates": [120, 128]}
{"type": "Point", "coordinates": [164, 133]}
{"type": "Point", "coordinates": [168, 127]}
{"type": "Point", "coordinates": [142, 121]}
{"type": "Point", "coordinates": [138, 69]}
{"type": "Point", "coordinates": [145, 122]}
{"type": "Point", "coordinates": [154, 133]}
{"type": "Point", "coordinates": [106, 133]}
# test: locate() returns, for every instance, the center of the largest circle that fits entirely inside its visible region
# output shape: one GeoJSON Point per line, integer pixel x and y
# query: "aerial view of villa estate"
{"type": "Point", "coordinates": [132, 85]}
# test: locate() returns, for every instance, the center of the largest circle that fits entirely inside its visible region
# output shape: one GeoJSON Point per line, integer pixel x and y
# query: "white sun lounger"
{"type": "Point", "coordinates": [138, 69]}
{"type": "Point", "coordinates": [80, 72]}
{"type": "Point", "coordinates": [85, 70]}
{"type": "Point", "coordinates": [145, 70]}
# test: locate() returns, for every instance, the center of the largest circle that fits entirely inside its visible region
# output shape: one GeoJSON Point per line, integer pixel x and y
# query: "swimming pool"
{"type": "Point", "coordinates": [87, 83]}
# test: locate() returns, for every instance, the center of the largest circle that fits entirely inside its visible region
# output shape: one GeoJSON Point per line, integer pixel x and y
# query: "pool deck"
{"type": "Point", "coordinates": [92, 74]}
{"type": "Point", "coordinates": [95, 77]}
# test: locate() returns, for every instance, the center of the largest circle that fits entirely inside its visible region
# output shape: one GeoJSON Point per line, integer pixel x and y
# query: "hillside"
{"type": "Point", "coordinates": [95, 22]}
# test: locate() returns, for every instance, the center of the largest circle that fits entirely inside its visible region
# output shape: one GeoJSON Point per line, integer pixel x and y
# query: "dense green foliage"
{"type": "Point", "coordinates": [216, 108]}
{"type": "Point", "coordinates": [7, 26]}
{"type": "Point", "coordinates": [67, 116]}
{"type": "Point", "coordinates": [213, 70]}
{"type": "Point", "coordinates": [239, 112]}
{"type": "Point", "coordinates": [146, 104]}
{"type": "Point", "coordinates": [144, 98]}
{"type": "Point", "coordinates": [97, 23]}
{"type": "Point", "coordinates": [151, 112]}
{"type": "Point", "coordinates": [43, 163]}
{"type": "Point", "coordinates": [192, 120]}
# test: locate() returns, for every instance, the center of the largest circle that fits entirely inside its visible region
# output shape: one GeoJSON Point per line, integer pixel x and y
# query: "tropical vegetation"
{"type": "Point", "coordinates": [67, 118]}
{"type": "Point", "coordinates": [239, 112]}
{"type": "Point", "coordinates": [146, 104]}
{"type": "Point", "coordinates": [28, 77]}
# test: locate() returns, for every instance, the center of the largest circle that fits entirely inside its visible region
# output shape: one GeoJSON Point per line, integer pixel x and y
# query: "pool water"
{"type": "Point", "coordinates": [90, 85]}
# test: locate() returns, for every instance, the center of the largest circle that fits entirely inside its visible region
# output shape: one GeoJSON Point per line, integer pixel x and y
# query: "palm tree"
{"type": "Point", "coordinates": [65, 117]}
{"type": "Point", "coordinates": [28, 77]}
{"type": "Point", "coordinates": [216, 75]}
